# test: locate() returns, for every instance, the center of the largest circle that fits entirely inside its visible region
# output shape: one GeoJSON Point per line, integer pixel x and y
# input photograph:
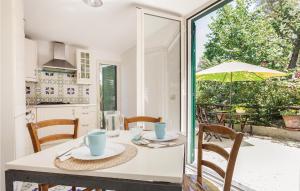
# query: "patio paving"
{"type": "Point", "coordinates": [265, 164]}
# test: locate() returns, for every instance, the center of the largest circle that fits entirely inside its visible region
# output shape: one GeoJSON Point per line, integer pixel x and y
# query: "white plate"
{"type": "Point", "coordinates": [168, 137]}
{"type": "Point", "coordinates": [112, 149]}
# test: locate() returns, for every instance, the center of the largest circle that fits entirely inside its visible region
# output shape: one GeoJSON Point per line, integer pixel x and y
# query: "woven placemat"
{"type": "Point", "coordinates": [81, 165]}
{"type": "Point", "coordinates": [179, 141]}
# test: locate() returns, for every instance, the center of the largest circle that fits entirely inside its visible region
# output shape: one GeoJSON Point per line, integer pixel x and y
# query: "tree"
{"type": "Point", "coordinates": [239, 33]}
{"type": "Point", "coordinates": [285, 19]}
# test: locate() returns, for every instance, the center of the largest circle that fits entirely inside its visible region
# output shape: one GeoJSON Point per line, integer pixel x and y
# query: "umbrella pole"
{"type": "Point", "coordinates": [230, 100]}
{"type": "Point", "coordinates": [230, 90]}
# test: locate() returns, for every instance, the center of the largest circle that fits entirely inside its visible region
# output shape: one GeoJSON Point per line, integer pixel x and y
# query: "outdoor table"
{"type": "Point", "coordinates": [242, 117]}
{"type": "Point", "coordinates": [221, 116]}
{"type": "Point", "coordinates": [150, 170]}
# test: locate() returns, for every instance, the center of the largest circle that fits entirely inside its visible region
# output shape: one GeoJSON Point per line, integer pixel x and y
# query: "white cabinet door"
{"type": "Point", "coordinates": [56, 113]}
{"type": "Point", "coordinates": [83, 61]}
{"type": "Point", "coordinates": [87, 119]}
{"type": "Point", "coordinates": [85, 114]}
{"type": "Point", "coordinates": [31, 60]}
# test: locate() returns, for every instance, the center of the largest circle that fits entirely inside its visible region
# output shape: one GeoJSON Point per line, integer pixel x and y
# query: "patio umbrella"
{"type": "Point", "coordinates": [237, 71]}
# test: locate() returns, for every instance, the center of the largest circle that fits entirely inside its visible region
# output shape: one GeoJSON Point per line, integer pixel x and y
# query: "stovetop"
{"type": "Point", "coordinates": [52, 103]}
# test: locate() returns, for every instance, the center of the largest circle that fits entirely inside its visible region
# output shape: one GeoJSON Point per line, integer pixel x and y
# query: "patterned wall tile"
{"type": "Point", "coordinates": [56, 87]}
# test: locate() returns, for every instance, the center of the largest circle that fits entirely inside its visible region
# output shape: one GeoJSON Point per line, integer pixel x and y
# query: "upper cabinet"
{"type": "Point", "coordinates": [83, 60]}
{"type": "Point", "coordinates": [31, 60]}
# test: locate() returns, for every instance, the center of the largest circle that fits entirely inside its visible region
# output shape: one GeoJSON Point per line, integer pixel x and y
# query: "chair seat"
{"type": "Point", "coordinates": [190, 183]}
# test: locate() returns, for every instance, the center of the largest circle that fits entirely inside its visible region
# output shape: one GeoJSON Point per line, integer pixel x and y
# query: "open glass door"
{"type": "Point", "coordinates": [162, 69]}
{"type": "Point", "coordinates": [159, 67]}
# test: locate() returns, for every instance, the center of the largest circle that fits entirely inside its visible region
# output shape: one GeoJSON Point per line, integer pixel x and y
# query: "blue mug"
{"type": "Point", "coordinates": [96, 142]}
{"type": "Point", "coordinates": [160, 130]}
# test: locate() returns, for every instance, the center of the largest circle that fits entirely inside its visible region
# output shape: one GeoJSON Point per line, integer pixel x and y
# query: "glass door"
{"type": "Point", "coordinates": [161, 69]}
{"type": "Point", "coordinates": [198, 37]}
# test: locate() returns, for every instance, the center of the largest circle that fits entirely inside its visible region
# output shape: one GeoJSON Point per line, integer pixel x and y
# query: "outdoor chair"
{"type": "Point", "coordinates": [198, 182]}
{"type": "Point", "coordinates": [202, 118]}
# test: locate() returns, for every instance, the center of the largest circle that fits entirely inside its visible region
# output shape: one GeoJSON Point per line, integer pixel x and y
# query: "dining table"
{"type": "Point", "coordinates": [159, 169]}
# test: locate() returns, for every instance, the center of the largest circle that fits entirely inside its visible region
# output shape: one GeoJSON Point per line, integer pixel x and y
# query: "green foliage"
{"type": "Point", "coordinates": [241, 34]}
{"type": "Point", "coordinates": [261, 34]}
{"type": "Point", "coordinates": [284, 16]}
{"type": "Point", "coordinates": [266, 99]}
{"type": "Point", "coordinates": [290, 112]}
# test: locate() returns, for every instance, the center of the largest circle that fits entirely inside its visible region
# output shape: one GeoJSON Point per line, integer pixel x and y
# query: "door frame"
{"type": "Point", "coordinates": [98, 69]}
{"type": "Point", "coordinates": [190, 63]}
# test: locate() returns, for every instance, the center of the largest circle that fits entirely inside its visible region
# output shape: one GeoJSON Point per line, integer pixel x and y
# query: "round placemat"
{"type": "Point", "coordinates": [179, 141]}
{"type": "Point", "coordinates": [80, 165]}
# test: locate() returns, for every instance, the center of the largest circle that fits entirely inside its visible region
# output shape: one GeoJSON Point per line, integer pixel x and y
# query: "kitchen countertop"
{"type": "Point", "coordinates": [60, 105]}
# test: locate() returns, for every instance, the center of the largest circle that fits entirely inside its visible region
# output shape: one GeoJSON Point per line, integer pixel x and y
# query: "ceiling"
{"type": "Point", "coordinates": [110, 28]}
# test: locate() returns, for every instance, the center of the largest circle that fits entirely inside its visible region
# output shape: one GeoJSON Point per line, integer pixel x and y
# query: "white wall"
{"type": "Point", "coordinates": [155, 98]}
{"type": "Point", "coordinates": [173, 86]}
{"type": "Point", "coordinates": [45, 52]}
{"type": "Point", "coordinates": [12, 78]}
{"type": "Point", "coordinates": [162, 84]}
{"type": "Point", "coordinates": [128, 83]}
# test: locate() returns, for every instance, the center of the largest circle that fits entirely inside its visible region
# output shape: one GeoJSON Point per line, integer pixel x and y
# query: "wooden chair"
{"type": "Point", "coordinates": [140, 119]}
{"type": "Point", "coordinates": [37, 142]}
{"type": "Point", "coordinates": [197, 182]}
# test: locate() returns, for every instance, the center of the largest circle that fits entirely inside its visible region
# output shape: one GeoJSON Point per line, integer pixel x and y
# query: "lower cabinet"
{"type": "Point", "coordinates": [85, 114]}
{"type": "Point", "coordinates": [87, 119]}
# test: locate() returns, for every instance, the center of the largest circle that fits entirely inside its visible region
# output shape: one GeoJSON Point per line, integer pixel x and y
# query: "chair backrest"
{"type": "Point", "coordinates": [140, 119]}
{"type": "Point", "coordinates": [229, 156]}
{"type": "Point", "coordinates": [34, 127]}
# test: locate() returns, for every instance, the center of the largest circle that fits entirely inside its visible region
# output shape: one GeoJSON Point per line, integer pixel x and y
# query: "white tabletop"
{"type": "Point", "coordinates": [163, 164]}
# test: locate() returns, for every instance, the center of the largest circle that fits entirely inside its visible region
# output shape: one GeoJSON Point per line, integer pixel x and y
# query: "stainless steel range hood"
{"type": "Point", "coordinates": [59, 62]}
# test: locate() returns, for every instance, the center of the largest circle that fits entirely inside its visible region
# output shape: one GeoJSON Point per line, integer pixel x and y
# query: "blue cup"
{"type": "Point", "coordinates": [160, 130]}
{"type": "Point", "coordinates": [96, 142]}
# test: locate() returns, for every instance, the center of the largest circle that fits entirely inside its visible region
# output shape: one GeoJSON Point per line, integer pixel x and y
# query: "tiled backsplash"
{"type": "Point", "coordinates": [56, 87]}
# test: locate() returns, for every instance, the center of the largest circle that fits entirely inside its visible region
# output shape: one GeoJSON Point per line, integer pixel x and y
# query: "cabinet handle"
{"type": "Point", "coordinates": [85, 113]}
{"type": "Point", "coordinates": [84, 125]}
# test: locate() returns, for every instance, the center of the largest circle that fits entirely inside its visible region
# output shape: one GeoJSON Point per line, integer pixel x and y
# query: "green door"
{"type": "Point", "coordinates": [109, 87]}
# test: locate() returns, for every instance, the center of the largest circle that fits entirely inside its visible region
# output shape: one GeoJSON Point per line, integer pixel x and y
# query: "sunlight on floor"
{"type": "Point", "coordinates": [265, 164]}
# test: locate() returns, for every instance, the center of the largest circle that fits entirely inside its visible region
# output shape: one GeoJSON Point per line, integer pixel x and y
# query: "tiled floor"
{"type": "Point", "coordinates": [34, 187]}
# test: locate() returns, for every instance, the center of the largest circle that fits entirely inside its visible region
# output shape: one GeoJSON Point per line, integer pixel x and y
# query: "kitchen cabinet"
{"type": "Point", "coordinates": [87, 119]}
{"type": "Point", "coordinates": [31, 60]}
{"type": "Point", "coordinates": [83, 61]}
{"type": "Point", "coordinates": [85, 114]}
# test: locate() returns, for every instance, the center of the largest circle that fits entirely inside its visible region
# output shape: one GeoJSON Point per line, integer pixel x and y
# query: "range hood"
{"type": "Point", "coordinates": [59, 62]}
